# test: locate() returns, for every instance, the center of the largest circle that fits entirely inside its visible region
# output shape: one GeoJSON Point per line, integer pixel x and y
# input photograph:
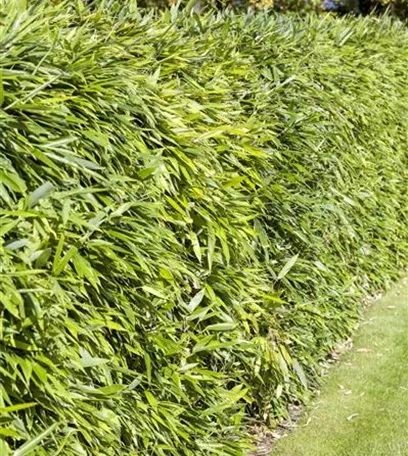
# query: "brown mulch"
{"type": "Point", "coordinates": [266, 438]}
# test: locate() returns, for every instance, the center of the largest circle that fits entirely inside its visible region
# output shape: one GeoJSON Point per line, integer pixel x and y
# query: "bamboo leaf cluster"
{"type": "Point", "coordinates": [190, 209]}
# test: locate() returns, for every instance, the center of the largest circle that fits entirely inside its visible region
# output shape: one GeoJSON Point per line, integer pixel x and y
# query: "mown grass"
{"type": "Point", "coordinates": [363, 407]}
{"type": "Point", "coordinates": [190, 209]}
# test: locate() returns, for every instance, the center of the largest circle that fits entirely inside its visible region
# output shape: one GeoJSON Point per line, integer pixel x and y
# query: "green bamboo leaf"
{"type": "Point", "coordinates": [32, 444]}
{"type": "Point", "coordinates": [13, 181]}
{"type": "Point", "coordinates": [148, 364]}
{"type": "Point", "coordinates": [234, 181]}
{"type": "Point", "coordinates": [64, 261]}
{"type": "Point", "coordinates": [154, 291]}
{"type": "Point", "coordinates": [288, 266]}
{"type": "Point", "coordinates": [175, 205]}
{"type": "Point", "coordinates": [8, 433]}
{"type": "Point", "coordinates": [196, 245]}
{"type": "Point", "coordinates": [300, 373]}
{"type": "Point", "coordinates": [196, 300]}
{"type": "Point", "coordinates": [66, 209]}
{"type": "Point", "coordinates": [210, 247]}
{"type": "Point", "coordinates": [15, 245]}
{"type": "Point", "coordinates": [17, 407]}
{"type": "Point", "coordinates": [1, 89]}
{"type": "Point", "coordinates": [33, 93]}
{"type": "Point", "coordinates": [4, 448]}
{"type": "Point", "coordinates": [279, 391]}
{"type": "Point", "coordinates": [136, 382]}
{"type": "Point", "coordinates": [111, 390]}
{"type": "Point", "coordinates": [221, 327]}
{"type": "Point", "coordinates": [58, 252]}
{"type": "Point", "coordinates": [88, 361]}
{"type": "Point", "coordinates": [151, 399]}
{"type": "Point", "coordinates": [41, 192]}
{"type": "Point", "coordinates": [189, 8]}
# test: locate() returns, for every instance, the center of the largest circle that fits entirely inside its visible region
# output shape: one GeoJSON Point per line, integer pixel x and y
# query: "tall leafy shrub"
{"type": "Point", "coordinates": [191, 208]}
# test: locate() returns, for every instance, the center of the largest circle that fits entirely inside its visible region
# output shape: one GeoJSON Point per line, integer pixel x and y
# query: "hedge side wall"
{"type": "Point", "coordinates": [191, 208]}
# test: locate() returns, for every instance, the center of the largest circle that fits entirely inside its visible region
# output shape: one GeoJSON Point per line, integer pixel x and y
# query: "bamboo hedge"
{"type": "Point", "coordinates": [191, 208]}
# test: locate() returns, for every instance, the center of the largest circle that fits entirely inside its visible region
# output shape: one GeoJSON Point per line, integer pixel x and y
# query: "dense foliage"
{"type": "Point", "coordinates": [398, 8]}
{"type": "Point", "coordinates": [301, 6]}
{"type": "Point", "coordinates": [191, 208]}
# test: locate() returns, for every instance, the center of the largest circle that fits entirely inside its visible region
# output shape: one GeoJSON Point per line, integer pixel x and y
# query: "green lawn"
{"type": "Point", "coordinates": [363, 407]}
